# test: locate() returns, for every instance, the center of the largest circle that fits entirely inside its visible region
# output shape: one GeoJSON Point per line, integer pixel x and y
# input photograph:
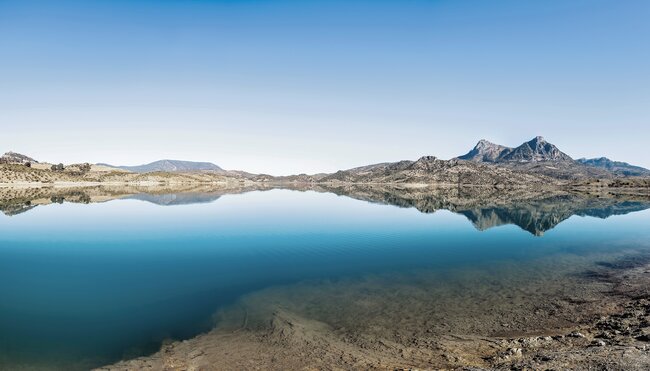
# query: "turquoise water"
{"type": "Point", "coordinates": [84, 285]}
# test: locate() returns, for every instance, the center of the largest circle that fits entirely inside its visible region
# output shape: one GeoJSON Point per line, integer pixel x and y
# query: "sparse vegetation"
{"type": "Point", "coordinates": [84, 173]}
{"type": "Point", "coordinates": [85, 167]}
{"type": "Point", "coordinates": [58, 167]}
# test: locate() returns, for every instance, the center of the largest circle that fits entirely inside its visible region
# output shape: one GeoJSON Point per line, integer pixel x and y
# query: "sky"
{"type": "Point", "coordinates": [285, 87]}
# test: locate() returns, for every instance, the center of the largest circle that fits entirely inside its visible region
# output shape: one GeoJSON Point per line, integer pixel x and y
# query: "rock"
{"type": "Point", "coordinates": [515, 352]}
{"type": "Point", "coordinates": [542, 358]}
{"type": "Point", "coordinates": [644, 337]}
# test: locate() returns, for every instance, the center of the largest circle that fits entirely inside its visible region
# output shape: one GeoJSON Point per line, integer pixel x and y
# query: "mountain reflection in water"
{"type": "Point", "coordinates": [535, 212]}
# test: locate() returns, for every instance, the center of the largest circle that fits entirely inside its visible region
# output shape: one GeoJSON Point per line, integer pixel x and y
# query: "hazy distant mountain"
{"type": "Point", "coordinates": [170, 166]}
{"type": "Point", "coordinates": [16, 158]}
{"type": "Point", "coordinates": [617, 167]}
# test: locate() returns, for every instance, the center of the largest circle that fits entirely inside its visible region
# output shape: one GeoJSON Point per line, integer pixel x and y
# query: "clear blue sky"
{"type": "Point", "coordinates": [308, 86]}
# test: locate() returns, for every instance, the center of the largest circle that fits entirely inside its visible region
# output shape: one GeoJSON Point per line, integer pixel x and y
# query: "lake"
{"type": "Point", "coordinates": [88, 280]}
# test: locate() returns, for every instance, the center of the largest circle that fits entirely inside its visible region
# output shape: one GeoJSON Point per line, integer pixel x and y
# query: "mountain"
{"type": "Point", "coordinates": [536, 156]}
{"type": "Point", "coordinates": [617, 167]}
{"type": "Point", "coordinates": [16, 158]}
{"type": "Point", "coordinates": [533, 162]}
{"type": "Point", "coordinates": [170, 166]}
{"type": "Point", "coordinates": [535, 150]}
{"type": "Point", "coordinates": [485, 151]}
{"type": "Point", "coordinates": [431, 170]}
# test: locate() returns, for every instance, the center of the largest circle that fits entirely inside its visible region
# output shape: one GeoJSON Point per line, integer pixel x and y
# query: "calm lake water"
{"type": "Point", "coordinates": [84, 285]}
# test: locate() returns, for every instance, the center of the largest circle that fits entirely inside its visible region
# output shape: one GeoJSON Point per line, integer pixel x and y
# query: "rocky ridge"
{"type": "Point", "coordinates": [534, 163]}
{"type": "Point", "coordinates": [429, 170]}
{"type": "Point", "coordinates": [617, 167]}
{"type": "Point", "coordinates": [538, 156]}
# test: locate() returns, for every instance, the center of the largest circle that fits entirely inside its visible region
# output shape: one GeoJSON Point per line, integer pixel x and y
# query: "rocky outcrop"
{"type": "Point", "coordinates": [16, 158]}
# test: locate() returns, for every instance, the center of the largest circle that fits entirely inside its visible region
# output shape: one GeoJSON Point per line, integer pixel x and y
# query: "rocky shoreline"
{"type": "Point", "coordinates": [618, 340]}
{"type": "Point", "coordinates": [606, 326]}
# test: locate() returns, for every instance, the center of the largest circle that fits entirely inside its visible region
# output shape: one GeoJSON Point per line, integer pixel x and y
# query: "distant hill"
{"type": "Point", "coordinates": [170, 166]}
{"type": "Point", "coordinates": [16, 158]}
{"type": "Point", "coordinates": [620, 168]}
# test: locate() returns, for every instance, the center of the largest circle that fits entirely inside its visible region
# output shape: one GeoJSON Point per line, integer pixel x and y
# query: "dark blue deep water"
{"type": "Point", "coordinates": [84, 285]}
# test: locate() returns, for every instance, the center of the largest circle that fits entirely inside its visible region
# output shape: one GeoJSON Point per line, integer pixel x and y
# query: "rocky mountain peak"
{"type": "Point", "coordinates": [536, 150]}
{"type": "Point", "coordinates": [485, 144]}
{"type": "Point", "coordinates": [486, 151]}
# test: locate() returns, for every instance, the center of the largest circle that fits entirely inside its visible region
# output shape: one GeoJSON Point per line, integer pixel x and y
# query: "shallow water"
{"type": "Point", "coordinates": [87, 284]}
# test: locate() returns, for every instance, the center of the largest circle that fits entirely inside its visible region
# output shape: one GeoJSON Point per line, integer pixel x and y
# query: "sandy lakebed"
{"type": "Point", "coordinates": [596, 317]}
